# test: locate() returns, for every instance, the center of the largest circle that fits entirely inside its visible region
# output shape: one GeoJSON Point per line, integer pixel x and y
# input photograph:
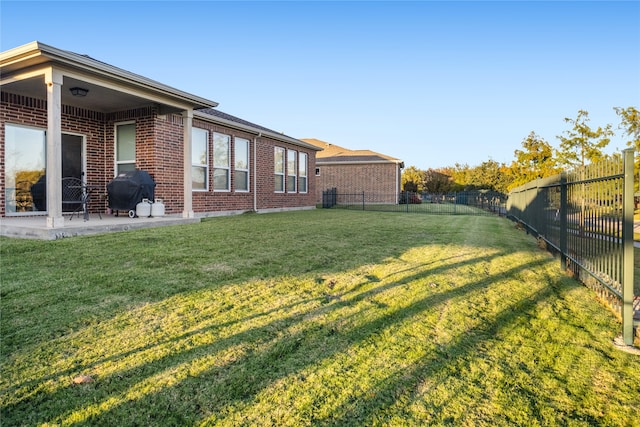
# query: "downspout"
{"type": "Point", "coordinates": [397, 186]}
{"type": "Point", "coordinates": [255, 176]}
{"type": "Point", "coordinates": [399, 166]}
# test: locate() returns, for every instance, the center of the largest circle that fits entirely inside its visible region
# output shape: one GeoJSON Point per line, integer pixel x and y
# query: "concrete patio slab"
{"type": "Point", "coordinates": [36, 227]}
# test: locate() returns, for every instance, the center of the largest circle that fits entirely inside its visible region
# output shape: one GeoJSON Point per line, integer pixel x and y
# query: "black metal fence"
{"type": "Point", "coordinates": [329, 198]}
{"type": "Point", "coordinates": [586, 215]}
{"type": "Point", "coordinates": [479, 202]}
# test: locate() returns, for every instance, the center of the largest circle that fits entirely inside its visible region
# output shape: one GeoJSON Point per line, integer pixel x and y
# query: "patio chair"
{"type": "Point", "coordinates": [74, 199]}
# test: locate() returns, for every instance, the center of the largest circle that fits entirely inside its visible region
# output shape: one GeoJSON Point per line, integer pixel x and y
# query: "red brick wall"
{"type": "Point", "coordinates": [379, 181]}
{"type": "Point", "coordinates": [210, 201]}
{"type": "Point", "coordinates": [159, 150]}
{"type": "Point", "coordinates": [167, 169]}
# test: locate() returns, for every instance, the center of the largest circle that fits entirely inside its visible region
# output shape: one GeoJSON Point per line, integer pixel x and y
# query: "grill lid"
{"type": "Point", "coordinates": [129, 188]}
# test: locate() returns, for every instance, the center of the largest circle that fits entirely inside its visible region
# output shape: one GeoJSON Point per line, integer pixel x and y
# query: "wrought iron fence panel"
{"type": "Point", "coordinates": [477, 202]}
{"type": "Point", "coordinates": [586, 215]}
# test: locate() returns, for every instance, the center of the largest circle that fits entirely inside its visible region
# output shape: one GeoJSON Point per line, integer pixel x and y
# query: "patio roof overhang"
{"type": "Point", "coordinates": [23, 70]}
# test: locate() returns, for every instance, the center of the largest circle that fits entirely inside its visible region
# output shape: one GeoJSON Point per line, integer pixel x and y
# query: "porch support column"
{"type": "Point", "coordinates": [53, 81]}
{"type": "Point", "coordinates": [188, 193]}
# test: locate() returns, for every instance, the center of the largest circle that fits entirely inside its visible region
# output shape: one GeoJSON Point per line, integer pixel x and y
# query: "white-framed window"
{"type": "Point", "coordinates": [302, 172]}
{"type": "Point", "coordinates": [221, 162]}
{"type": "Point", "coordinates": [199, 159]}
{"type": "Point", "coordinates": [292, 171]}
{"type": "Point", "coordinates": [278, 169]}
{"type": "Point", "coordinates": [241, 161]}
{"type": "Point", "coordinates": [125, 147]}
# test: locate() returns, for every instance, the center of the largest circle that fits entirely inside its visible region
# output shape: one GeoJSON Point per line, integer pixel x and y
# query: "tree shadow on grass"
{"type": "Point", "coordinates": [272, 352]}
{"type": "Point", "coordinates": [371, 409]}
{"type": "Point", "coordinates": [74, 283]}
{"type": "Point", "coordinates": [342, 299]}
{"type": "Point", "coordinates": [268, 347]}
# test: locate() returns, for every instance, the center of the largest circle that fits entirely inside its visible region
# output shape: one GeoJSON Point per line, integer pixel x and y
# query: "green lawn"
{"type": "Point", "coordinates": [326, 317]}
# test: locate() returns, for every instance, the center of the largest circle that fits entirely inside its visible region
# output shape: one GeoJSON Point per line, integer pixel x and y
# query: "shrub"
{"type": "Point", "coordinates": [409, 198]}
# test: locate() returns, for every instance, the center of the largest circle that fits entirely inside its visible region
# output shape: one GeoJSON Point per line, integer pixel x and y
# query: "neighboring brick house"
{"type": "Point", "coordinates": [64, 114]}
{"type": "Point", "coordinates": [357, 171]}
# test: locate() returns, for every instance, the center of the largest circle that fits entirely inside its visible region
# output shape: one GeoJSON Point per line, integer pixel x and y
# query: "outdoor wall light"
{"type": "Point", "coordinates": [78, 91]}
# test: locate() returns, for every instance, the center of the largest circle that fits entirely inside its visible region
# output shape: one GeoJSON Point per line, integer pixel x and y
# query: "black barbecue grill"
{"type": "Point", "coordinates": [128, 189]}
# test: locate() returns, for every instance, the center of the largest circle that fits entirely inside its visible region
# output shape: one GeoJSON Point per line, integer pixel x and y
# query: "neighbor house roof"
{"type": "Point", "coordinates": [334, 154]}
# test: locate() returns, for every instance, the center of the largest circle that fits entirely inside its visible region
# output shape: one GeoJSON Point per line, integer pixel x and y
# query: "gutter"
{"type": "Point", "coordinates": [397, 183]}
{"type": "Point", "coordinates": [360, 162]}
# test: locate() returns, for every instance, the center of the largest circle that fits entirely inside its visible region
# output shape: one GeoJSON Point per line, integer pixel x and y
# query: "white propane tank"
{"type": "Point", "coordinates": [157, 208]}
{"type": "Point", "coordinates": [143, 209]}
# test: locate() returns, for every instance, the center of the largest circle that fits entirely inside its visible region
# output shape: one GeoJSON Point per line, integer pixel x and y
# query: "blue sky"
{"type": "Point", "coordinates": [431, 83]}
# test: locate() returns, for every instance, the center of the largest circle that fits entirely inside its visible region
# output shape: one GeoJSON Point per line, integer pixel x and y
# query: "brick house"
{"type": "Point", "coordinates": [357, 171]}
{"type": "Point", "coordinates": [65, 114]}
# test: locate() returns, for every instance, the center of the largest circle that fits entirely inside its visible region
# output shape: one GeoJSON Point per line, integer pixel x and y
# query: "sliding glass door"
{"type": "Point", "coordinates": [25, 167]}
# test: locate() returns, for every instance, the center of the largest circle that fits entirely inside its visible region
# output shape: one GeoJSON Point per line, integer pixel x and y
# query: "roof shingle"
{"type": "Point", "coordinates": [335, 153]}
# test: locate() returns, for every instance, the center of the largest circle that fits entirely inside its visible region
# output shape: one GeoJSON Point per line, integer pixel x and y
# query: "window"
{"type": "Point", "coordinates": [241, 173]}
{"type": "Point", "coordinates": [278, 162]}
{"type": "Point", "coordinates": [292, 171]}
{"type": "Point", "coordinates": [25, 167]}
{"type": "Point", "coordinates": [199, 159]}
{"type": "Point", "coordinates": [221, 162]}
{"type": "Point", "coordinates": [125, 147]}
{"type": "Point", "coordinates": [302, 172]}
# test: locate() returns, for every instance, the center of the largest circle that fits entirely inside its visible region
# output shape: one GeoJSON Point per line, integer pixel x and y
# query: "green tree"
{"type": "Point", "coordinates": [437, 182]}
{"type": "Point", "coordinates": [489, 175]}
{"type": "Point", "coordinates": [630, 124]}
{"type": "Point", "coordinates": [535, 161]}
{"type": "Point", "coordinates": [461, 174]}
{"type": "Point", "coordinates": [452, 176]}
{"type": "Point", "coordinates": [581, 143]}
{"type": "Point", "coordinates": [413, 179]}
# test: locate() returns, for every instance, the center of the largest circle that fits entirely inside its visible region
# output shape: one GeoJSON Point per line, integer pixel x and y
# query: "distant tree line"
{"type": "Point", "coordinates": [579, 146]}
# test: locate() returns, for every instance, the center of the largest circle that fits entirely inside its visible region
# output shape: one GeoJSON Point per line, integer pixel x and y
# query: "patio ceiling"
{"type": "Point", "coordinates": [109, 88]}
{"type": "Point", "coordinates": [99, 98]}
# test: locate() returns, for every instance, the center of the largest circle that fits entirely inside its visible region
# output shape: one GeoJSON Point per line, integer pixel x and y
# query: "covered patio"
{"type": "Point", "coordinates": [67, 115]}
{"type": "Point", "coordinates": [35, 227]}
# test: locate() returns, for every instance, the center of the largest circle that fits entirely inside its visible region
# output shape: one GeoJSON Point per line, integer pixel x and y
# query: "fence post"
{"type": "Point", "coordinates": [363, 200]}
{"type": "Point", "coordinates": [563, 221]}
{"type": "Point", "coordinates": [627, 238]}
{"type": "Point", "coordinates": [455, 202]}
